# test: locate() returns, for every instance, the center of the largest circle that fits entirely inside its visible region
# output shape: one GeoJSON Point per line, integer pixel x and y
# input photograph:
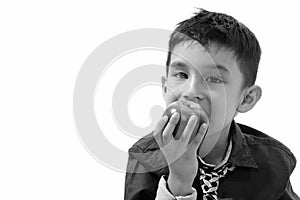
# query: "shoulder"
{"type": "Point", "coordinates": [267, 149]}
{"type": "Point", "coordinates": [146, 152]}
{"type": "Point", "coordinates": [144, 144]}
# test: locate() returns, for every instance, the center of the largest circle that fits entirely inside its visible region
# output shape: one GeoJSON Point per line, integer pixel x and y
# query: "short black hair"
{"type": "Point", "coordinates": [209, 28]}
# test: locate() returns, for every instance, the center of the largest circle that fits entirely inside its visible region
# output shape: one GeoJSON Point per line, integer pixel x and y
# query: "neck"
{"type": "Point", "coordinates": [217, 154]}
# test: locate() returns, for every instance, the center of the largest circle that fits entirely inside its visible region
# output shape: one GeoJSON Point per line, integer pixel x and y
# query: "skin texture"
{"type": "Point", "coordinates": [193, 76]}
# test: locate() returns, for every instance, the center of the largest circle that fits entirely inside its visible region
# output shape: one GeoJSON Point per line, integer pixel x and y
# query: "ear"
{"type": "Point", "coordinates": [250, 98]}
{"type": "Point", "coordinates": [164, 86]}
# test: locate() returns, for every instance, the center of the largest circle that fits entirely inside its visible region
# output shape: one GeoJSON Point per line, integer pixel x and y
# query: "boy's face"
{"type": "Point", "coordinates": [211, 78]}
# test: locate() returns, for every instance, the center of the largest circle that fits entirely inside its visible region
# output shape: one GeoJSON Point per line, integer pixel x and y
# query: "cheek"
{"type": "Point", "coordinates": [222, 109]}
{"type": "Point", "coordinates": [171, 96]}
{"type": "Point", "coordinates": [173, 93]}
{"type": "Point", "coordinates": [218, 112]}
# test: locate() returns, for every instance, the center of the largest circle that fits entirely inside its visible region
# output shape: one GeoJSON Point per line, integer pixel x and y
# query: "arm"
{"type": "Point", "coordinates": [288, 193]}
{"type": "Point", "coordinates": [139, 183]}
{"type": "Point", "coordinates": [181, 155]}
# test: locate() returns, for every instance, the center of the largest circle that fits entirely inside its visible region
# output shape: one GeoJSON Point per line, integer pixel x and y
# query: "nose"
{"type": "Point", "coordinates": [194, 90]}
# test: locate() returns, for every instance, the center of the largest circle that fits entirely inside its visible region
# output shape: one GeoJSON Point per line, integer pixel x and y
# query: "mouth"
{"type": "Point", "coordinates": [195, 107]}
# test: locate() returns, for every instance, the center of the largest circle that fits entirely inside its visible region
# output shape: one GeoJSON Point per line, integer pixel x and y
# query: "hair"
{"type": "Point", "coordinates": [209, 28]}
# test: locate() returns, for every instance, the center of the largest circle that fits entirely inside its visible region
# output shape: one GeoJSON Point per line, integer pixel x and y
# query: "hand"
{"type": "Point", "coordinates": [181, 155]}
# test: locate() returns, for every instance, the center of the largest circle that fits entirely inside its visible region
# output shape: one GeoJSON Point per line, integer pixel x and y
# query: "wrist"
{"type": "Point", "coordinates": [179, 187]}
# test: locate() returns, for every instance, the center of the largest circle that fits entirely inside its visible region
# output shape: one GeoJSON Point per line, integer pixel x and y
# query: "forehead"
{"type": "Point", "coordinates": [193, 54]}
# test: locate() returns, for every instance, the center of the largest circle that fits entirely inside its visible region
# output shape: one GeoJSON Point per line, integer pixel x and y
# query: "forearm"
{"type": "Point", "coordinates": [178, 187]}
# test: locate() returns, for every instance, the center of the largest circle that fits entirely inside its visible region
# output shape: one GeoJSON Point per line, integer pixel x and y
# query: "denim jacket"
{"type": "Point", "coordinates": [263, 168]}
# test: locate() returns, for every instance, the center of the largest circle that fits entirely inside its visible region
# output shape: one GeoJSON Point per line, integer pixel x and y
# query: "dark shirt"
{"type": "Point", "coordinates": [263, 168]}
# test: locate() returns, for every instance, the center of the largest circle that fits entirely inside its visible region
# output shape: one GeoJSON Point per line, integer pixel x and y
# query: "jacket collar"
{"type": "Point", "coordinates": [240, 154]}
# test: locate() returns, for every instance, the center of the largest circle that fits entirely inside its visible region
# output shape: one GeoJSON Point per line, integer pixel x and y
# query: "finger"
{"type": "Point", "coordinates": [204, 116]}
{"type": "Point", "coordinates": [167, 133]}
{"type": "Point", "coordinates": [189, 128]}
{"type": "Point", "coordinates": [197, 141]}
{"type": "Point", "coordinates": [159, 129]}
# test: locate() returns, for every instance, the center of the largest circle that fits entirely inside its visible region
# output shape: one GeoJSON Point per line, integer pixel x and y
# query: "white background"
{"type": "Point", "coordinates": [43, 45]}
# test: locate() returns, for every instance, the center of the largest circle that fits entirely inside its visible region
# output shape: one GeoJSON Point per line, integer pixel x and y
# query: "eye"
{"type": "Point", "coordinates": [180, 75]}
{"type": "Point", "coordinates": [214, 79]}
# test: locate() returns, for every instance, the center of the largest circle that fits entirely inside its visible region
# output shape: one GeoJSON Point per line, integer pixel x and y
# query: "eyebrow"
{"type": "Point", "coordinates": [180, 64]}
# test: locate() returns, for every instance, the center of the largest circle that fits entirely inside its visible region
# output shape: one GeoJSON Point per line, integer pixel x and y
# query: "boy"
{"type": "Point", "coordinates": [212, 62]}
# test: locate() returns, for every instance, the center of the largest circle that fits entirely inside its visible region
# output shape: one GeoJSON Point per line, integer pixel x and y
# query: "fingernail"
{"type": "Point", "coordinates": [165, 118]}
{"type": "Point", "coordinates": [176, 114]}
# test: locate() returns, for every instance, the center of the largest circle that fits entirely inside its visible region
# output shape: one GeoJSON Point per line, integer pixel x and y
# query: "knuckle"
{"type": "Point", "coordinates": [173, 121]}
{"type": "Point", "coordinates": [196, 140]}
{"type": "Point", "coordinates": [165, 137]}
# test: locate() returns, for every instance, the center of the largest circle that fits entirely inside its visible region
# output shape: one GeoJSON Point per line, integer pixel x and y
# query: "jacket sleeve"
{"type": "Point", "coordinates": [289, 194]}
{"type": "Point", "coordinates": [164, 194]}
{"type": "Point", "coordinates": [139, 182]}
